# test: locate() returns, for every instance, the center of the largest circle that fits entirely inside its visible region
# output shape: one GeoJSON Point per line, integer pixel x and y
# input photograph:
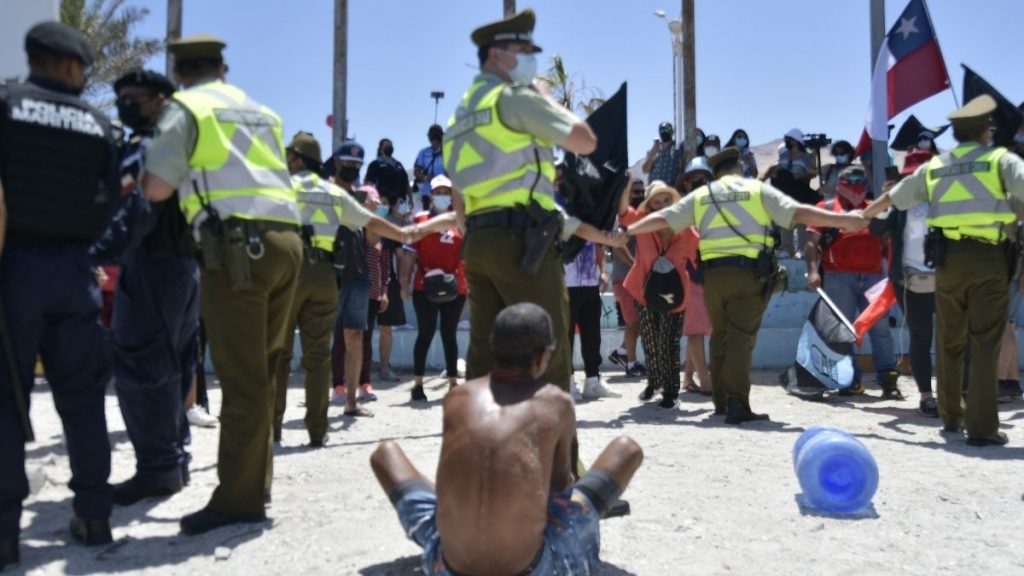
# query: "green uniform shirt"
{"type": "Point", "coordinates": [913, 189]}
{"type": "Point", "coordinates": [523, 109]}
{"type": "Point", "coordinates": [780, 207]}
{"type": "Point", "coordinates": [175, 138]}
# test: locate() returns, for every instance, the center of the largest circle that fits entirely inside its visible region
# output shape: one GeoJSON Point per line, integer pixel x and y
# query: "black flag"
{"type": "Point", "coordinates": [908, 134]}
{"type": "Point", "coordinates": [591, 184]}
{"type": "Point", "coordinates": [1007, 117]}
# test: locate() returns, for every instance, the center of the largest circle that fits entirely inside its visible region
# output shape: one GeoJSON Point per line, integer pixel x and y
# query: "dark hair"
{"type": "Point", "coordinates": [520, 332]}
{"type": "Point", "coordinates": [194, 69]}
{"type": "Point", "coordinates": [435, 132]}
{"type": "Point", "coordinates": [310, 164]}
{"type": "Point", "coordinates": [736, 134]}
{"type": "Point", "coordinates": [380, 145]}
{"type": "Point", "coordinates": [726, 166]}
{"type": "Point", "coordinates": [968, 133]}
{"type": "Point", "coordinates": [483, 51]}
{"type": "Point", "coordinates": [841, 145]}
{"type": "Point", "coordinates": [45, 59]}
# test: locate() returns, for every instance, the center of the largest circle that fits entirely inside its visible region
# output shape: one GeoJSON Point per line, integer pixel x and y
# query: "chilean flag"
{"type": "Point", "coordinates": [909, 69]}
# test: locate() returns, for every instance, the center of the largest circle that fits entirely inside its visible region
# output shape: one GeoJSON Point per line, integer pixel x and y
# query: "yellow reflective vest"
{"type": "Point", "coordinates": [966, 196]}
{"type": "Point", "coordinates": [237, 167]}
{"type": "Point", "coordinates": [320, 206]}
{"type": "Point", "coordinates": [491, 164]}
{"type": "Point", "coordinates": [739, 200]}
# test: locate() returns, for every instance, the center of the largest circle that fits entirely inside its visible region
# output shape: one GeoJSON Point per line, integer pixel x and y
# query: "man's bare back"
{"type": "Point", "coordinates": [505, 449]}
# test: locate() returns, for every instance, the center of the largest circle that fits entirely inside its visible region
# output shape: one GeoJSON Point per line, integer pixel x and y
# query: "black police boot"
{"type": "Point", "coordinates": [737, 412]}
{"type": "Point", "coordinates": [889, 382]}
{"type": "Point", "coordinates": [91, 532]}
{"type": "Point", "coordinates": [133, 490]}
{"type": "Point", "coordinates": [205, 520]}
{"type": "Point", "coordinates": [9, 555]}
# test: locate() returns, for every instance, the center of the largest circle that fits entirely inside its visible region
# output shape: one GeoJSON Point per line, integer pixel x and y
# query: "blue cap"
{"type": "Point", "coordinates": [351, 151]}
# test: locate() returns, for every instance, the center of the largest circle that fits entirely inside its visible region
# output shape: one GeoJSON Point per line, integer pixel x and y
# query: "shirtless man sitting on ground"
{"type": "Point", "coordinates": [505, 502]}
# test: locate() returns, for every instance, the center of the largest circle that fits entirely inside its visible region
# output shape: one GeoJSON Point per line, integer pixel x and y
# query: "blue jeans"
{"type": "Point", "coordinates": [353, 306]}
{"type": "Point", "coordinates": [571, 540]}
{"type": "Point", "coordinates": [846, 289]}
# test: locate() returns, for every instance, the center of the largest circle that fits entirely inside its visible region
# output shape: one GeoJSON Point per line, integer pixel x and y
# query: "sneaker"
{"type": "Point", "coordinates": [389, 376]}
{"type": "Point", "coordinates": [418, 395]}
{"type": "Point", "coordinates": [668, 403]}
{"type": "Point", "coordinates": [593, 387]}
{"type": "Point", "coordinates": [647, 394]}
{"type": "Point", "coordinates": [198, 416]}
{"type": "Point", "coordinates": [855, 389]}
{"type": "Point", "coordinates": [619, 359]}
{"type": "Point", "coordinates": [636, 370]}
{"type": "Point", "coordinates": [339, 394]}
{"type": "Point", "coordinates": [366, 393]}
{"type": "Point", "coordinates": [928, 407]}
{"type": "Point", "coordinates": [574, 391]}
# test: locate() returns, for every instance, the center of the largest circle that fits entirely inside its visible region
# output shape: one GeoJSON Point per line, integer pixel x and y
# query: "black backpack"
{"type": "Point", "coordinates": [663, 288]}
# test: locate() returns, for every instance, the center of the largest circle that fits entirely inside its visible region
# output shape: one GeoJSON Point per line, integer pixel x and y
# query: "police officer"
{"type": "Point", "coordinates": [498, 154]}
{"type": "Point", "coordinates": [733, 216]}
{"type": "Point", "coordinates": [156, 306]}
{"type": "Point", "coordinates": [325, 207]}
{"type": "Point", "coordinates": [59, 184]}
{"type": "Point", "coordinates": [969, 191]}
{"type": "Point", "coordinates": [224, 152]}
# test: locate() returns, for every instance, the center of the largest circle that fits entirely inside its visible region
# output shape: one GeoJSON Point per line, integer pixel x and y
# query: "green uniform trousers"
{"type": "Point", "coordinates": [970, 306]}
{"type": "Point", "coordinates": [246, 331]}
{"type": "Point", "coordinates": [495, 282]}
{"type": "Point", "coordinates": [735, 305]}
{"type": "Point", "coordinates": [313, 311]}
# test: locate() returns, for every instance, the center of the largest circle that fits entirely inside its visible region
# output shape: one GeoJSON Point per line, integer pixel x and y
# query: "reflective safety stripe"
{"type": "Point", "coordinates": [740, 203]}
{"type": "Point", "coordinates": [491, 164]}
{"type": "Point", "coordinates": [238, 164]}
{"type": "Point", "coordinates": [320, 206]}
{"type": "Point", "coordinates": [966, 197]}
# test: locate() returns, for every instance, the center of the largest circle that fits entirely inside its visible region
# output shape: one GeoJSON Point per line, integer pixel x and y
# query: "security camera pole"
{"type": "Point", "coordinates": [436, 95]}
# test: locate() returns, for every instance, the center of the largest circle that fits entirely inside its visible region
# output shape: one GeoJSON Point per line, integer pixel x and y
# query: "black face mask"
{"type": "Point", "coordinates": [348, 174]}
{"type": "Point", "coordinates": [666, 137]}
{"type": "Point", "coordinates": [636, 200]}
{"type": "Point", "coordinates": [388, 150]}
{"type": "Point", "coordinates": [130, 113]}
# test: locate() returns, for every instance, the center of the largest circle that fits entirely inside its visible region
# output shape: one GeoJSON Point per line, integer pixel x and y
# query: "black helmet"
{"type": "Point", "coordinates": [665, 127]}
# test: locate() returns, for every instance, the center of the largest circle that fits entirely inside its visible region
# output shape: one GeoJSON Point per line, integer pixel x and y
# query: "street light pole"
{"type": "Point", "coordinates": [173, 31]}
{"type": "Point", "coordinates": [510, 9]}
{"type": "Point", "coordinates": [879, 152]}
{"type": "Point", "coordinates": [340, 130]}
{"type": "Point", "coordinates": [436, 95]}
{"type": "Point", "coordinates": [689, 64]}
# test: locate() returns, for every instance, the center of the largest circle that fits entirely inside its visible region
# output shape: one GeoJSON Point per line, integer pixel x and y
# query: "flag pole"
{"type": "Point", "coordinates": [879, 142]}
{"type": "Point", "coordinates": [931, 24]}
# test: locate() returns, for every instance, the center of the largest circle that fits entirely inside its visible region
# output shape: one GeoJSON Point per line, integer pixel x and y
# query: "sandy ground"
{"type": "Point", "coordinates": [709, 499]}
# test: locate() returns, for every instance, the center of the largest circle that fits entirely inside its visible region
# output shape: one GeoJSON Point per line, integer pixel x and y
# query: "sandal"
{"type": "Point", "coordinates": [693, 388]}
{"type": "Point", "coordinates": [359, 413]}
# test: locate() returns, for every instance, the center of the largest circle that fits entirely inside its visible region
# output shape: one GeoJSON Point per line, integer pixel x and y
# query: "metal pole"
{"type": "Point", "coordinates": [879, 148]}
{"type": "Point", "coordinates": [173, 31]}
{"type": "Point", "coordinates": [510, 9]}
{"type": "Point", "coordinates": [340, 131]}
{"type": "Point", "coordinates": [689, 81]}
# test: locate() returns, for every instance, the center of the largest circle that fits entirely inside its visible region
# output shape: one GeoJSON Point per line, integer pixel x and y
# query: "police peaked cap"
{"type": "Point", "coordinates": [976, 113]}
{"type": "Point", "coordinates": [197, 47]}
{"type": "Point", "coordinates": [59, 38]}
{"type": "Point", "coordinates": [154, 81]}
{"type": "Point", "coordinates": [515, 28]}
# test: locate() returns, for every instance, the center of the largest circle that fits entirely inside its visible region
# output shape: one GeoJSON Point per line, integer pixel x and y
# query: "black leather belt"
{"type": "Point", "coordinates": [974, 243]}
{"type": "Point", "coordinates": [504, 218]}
{"type": "Point", "coordinates": [318, 254]}
{"type": "Point", "coordinates": [730, 262]}
{"type": "Point", "coordinates": [263, 225]}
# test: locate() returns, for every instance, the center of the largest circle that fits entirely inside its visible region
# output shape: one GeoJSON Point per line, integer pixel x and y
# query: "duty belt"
{"type": "Point", "coordinates": [504, 218]}
{"type": "Point", "coordinates": [967, 242]}
{"type": "Point", "coordinates": [730, 262]}
{"type": "Point", "coordinates": [261, 226]}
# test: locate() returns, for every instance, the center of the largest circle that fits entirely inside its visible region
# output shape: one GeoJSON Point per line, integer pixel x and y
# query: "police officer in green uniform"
{"type": "Point", "coordinates": [324, 208]}
{"type": "Point", "coordinates": [498, 154]}
{"type": "Point", "coordinates": [733, 216]}
{"type": "Point", "coordinates": [224, 152]}
{"type": "Point", "coordinates": [969, 191]}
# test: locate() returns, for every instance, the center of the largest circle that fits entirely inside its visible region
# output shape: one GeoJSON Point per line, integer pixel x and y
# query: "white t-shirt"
{"type": "Point", "coordinates": [913, 238]}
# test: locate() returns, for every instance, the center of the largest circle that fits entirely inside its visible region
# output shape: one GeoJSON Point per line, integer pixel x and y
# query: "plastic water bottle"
{"type": "Point", "coordinates": [835, 470]}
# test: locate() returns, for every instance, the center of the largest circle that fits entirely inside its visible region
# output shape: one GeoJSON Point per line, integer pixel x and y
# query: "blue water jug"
{"type": "Point", "coordinates": [835, 470]}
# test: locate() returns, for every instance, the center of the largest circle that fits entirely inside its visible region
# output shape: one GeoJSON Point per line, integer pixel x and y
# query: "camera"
{"type": "Point", "coordinates": [816, 141]}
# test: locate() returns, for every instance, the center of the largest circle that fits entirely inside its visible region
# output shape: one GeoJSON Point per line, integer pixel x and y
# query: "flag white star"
{"type": "Point", "coordinates": [907, 27]}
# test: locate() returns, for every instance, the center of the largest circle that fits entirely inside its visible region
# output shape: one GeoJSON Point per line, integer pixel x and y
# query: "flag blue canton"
{"type": "Point", "coordinates": [911, 31]}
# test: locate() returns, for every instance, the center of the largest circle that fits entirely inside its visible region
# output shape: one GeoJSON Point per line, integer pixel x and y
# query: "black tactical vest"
{"type": "Point", "coordinates": [58, 164]}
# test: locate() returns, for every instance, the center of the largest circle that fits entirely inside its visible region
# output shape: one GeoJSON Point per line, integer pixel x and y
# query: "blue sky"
{"type": "Point", "coordinates": [766, 66]}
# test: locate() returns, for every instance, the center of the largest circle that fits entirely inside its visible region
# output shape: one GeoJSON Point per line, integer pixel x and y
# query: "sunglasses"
{"type": "Point", "coordinates": [853, 180]}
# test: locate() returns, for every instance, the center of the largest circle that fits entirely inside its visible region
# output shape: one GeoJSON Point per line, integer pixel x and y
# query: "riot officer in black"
{"type": "Point", "coordinates": [59, 184]}
{"type": "Point", "coordinates": [156, 305]}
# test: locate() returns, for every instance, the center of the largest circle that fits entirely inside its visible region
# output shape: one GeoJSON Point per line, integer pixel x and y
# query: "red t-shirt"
{"type": "Point", "coordinates": [857, 252]}
{"type": "Point", "coordinates": [440, 250]}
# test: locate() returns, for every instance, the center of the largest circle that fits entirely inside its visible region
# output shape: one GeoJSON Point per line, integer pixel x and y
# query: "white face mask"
{"type": "Point", "coordinates": [924, 144]}
{"type": "Point", "coordinates": [441, 203]}
{"type": "Point", "coordinates": [742, 143]}
{"type": "Point", "coordinates": [525, 70]}
{"type": "Point", "coordinates": [710, 151]}
{"type": "Point", "coordinates": [842, 159]}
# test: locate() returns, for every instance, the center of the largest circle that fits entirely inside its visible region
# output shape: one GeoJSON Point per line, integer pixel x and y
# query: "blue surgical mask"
{"type": "Point", "coordinates": [842, 158]}
{"type": "Point", "coordinates": [441, 203]}
{"type": "Point", "coordinates": [382, 210]}
{"type": "Point", "coordinates": [741, 143]}
{"type": "Point", "coordinates": [403, 208]}
{"type": "Point", "coordinates": [525, 70]}
{"type": "Point", "coordinates": [710, 151]}
{"type": "Point", "coordinates": [924, 144]}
